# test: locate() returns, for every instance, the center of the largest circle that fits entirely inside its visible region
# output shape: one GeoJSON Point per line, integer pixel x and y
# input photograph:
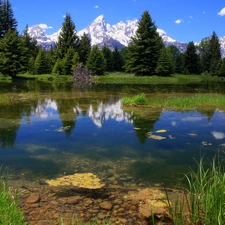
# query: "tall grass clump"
{"type": "Point", "coordinates": [137, 99]}
{"type": "Point", "coordinates": [9, 210]}
{"type": "Point", "coordinates": [205, 198]}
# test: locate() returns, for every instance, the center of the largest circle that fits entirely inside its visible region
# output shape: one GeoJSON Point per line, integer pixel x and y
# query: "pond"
{"type": "Point", "coordinates": [69, 130]}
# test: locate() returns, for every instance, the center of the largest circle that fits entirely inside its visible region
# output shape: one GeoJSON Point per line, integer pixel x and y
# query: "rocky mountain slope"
{"type": "Point", "coordinates": [100, 33]}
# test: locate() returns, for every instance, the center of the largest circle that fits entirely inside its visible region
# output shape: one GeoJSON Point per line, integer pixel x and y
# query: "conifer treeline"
{"type": "Point", "coordinates": [146, 55]}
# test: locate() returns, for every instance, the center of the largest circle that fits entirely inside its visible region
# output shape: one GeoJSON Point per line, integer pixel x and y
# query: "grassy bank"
{"type": "Point", "coordinates": [208, 101]}
{"type": "Point", "coordinates": [9, 210]}
{"type": "Point", "coordinates": [123, 78]}
{"type": "Point", "coordinates": [126, 78]}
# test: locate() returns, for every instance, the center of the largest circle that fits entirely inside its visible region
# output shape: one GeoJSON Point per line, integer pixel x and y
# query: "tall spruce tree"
{"type": "Point", "coordinates": [222, 68]}
{"type": "Point", "coordinates": [215, 49]}
{"type": "Point", "coordinates": [144, 49]}
{"type": "Point", "coordinates": [42, 64]}
{"type": "Point", "coordinates": [191, 59]}
{"type": "Point", "coordinates": [68, 62]}
{"type": "Point", "coordinates": [12, 58]}
{"type": "Point", "coordinates": [96, 62]}
{"type": "Point", "coordinates": [117, 58]}
{"type": "Point", "coordinates": [165, 65]}
{"type": "Point", "coordinates": [7, 20]}
{"type": "Point", "coordinates": [107, 53]}
{"type": "Point", "coordinates": [67, 37]}
{"type": "Point", "coordinates": [205, 55]}
{"type": "Point", "coordinates": [30, 49]}
{"type": "Point", "coordinates": [84, 48]}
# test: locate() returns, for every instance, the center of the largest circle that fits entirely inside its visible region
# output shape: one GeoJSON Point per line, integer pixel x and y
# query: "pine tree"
{"type": "Point", "coordinates": [222, 68]}
{"type": "Point", "coordinates": [191, 59]}
{"type": "Point", "coordinates": [68, 62]}
{"type": "Point", "coordinates": [84, 48]}
{"type": "Point", "coordinates": [12, 60]}
{"type": "Point", "coordinates": [30, 49]}
{"type": "Point", "coordinates": [107, 53]}
{"type": "Point", "coordinates": [179, 67]}
{"type": "Point", "coordinates": [165, 65]}
{"type": "Point", "coordinates": [117, 60]}
{"type": "Point", "coordinates": [205, 55]}
{"type": "Point", "coordinates": [57, 68]}
{"type": "Point", "coordinates": [215, 49]}
{"type": "Point", "coordinates": [144, 50]}
{"type": "Point", "coordinates": [96, 62]}
{"type": "Point", "coordinates": [7, 20]}
{"type": "Point", "coordinates": [41, 64]}
{"type": "Point", "coordinates": [67, 38]}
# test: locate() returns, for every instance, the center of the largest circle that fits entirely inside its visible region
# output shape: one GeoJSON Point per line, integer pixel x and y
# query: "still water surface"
{"type": "Point", "coordinates": [90, 131]}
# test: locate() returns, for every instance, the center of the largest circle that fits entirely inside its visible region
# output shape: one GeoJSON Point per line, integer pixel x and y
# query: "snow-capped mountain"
{"type": "Point", "coordinates": [37, 33]}
{"type": "Point", "coordinates": [100, 33]}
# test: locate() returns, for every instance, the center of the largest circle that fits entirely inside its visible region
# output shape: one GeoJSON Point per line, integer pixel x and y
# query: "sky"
{"type": "Point", "coordinates": [182, 20]}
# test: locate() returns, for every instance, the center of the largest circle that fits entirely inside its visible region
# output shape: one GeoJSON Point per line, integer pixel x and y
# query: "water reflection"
{"type": "Point", "coordinates": [71, 135]}
{"type": "Point", "coordinates": [108, 111]}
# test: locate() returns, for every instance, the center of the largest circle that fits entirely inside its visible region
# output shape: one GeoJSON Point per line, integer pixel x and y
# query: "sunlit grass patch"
{"type": "Point", "coordinates": [203, 202]}
{"type": "Point", "coordinates": [10, 213]}
{"type": "Point", "coordinates": [178, 102]}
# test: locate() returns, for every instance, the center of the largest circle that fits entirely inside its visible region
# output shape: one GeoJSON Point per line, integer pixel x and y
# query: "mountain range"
{"type": "Point", "coordinates": [100, 33]}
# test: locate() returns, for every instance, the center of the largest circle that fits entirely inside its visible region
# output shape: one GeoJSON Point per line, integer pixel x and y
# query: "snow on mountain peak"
{"type": "Point", "coordinates": [101, 33]}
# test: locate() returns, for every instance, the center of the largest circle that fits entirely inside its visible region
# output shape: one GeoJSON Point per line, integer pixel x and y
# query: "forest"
{"type": "Point", "coordinates": [146, 55]}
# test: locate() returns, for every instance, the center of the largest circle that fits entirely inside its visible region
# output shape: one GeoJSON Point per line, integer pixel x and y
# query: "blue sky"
{"type": "Point", "coordinates": [183, 20]}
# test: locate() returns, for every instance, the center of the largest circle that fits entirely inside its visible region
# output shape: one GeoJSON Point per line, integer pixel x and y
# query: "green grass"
{"type": "Point", "coordinates": [209, 101]}
{"type": "Point", "coordinates": [5, 79]}
{"type": "Point", "coordinates": [9, 210]}
{"type": "Point", "coordinates": [48, 77]}
{"type": "Point", "coordinates": [204, 200]}
{"type": "Point", "coordinates": [127, 78]}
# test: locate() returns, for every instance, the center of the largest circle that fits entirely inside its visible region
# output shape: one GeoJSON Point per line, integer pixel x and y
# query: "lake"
{"type": "Point", "coordinates": [70, 130]}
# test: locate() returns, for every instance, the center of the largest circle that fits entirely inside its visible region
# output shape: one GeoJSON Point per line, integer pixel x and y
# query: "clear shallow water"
{"type": "Point", "coordinates": [92, 133]}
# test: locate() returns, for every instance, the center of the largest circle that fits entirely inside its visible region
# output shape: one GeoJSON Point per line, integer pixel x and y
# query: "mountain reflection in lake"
{"type": "Point", "coordinates": [49, 138]}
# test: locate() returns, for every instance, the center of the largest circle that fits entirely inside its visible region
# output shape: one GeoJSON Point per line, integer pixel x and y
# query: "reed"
{"type": "Point", "coordinates": [10, 213]}
{"type": "Point", "coordinates": [204, 199]}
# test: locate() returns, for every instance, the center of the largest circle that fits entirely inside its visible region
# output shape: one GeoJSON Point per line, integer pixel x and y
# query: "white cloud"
{"type": "Point", "coordinates": [45, 26]}
{"type": "Point", "coordinates": [222, 12]}
{"type": "Point", "coordinates": [178, 21]}
{"type": "Point", "coordinates": [96, 7]}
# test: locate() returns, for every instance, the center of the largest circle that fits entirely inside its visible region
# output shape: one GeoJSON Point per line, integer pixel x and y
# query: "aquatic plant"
{"type": "Point", "coordinates": [203, 201]}
{"type": "Point", "coordinates": [9, 210]}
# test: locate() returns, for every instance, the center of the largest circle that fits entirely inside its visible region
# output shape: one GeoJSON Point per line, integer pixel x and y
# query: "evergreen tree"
{"type": "Point", "coordinates": [84, 48]}
{"type": "Point", "coordinates": [175, 54]}
{"type": "Point", "coordinates": [12, 59]}
{"type": "Point", "coordinates": [215, 49]}
{"type": "Point", "coordinates": [191, 59]}
{"type": "Point", "coordinates": [165, 65]}
{"type": "Point", "coordinates": [7, 20]}
{"type": "Point", "coordinates": [144, 50]}
{"type": "Point", "coordinates": [57, 68]}
{"type": "Point", "coordinates": [179, 67]}
{"type": "Point", "coordinates": [107, 53]}
{"type": "Point", "coordinates": [96, 62]}
{"type": "Point", "coordinates": [75, 60]}
{"type": "Point", "coordinates": [205, 55]}
{"type": "Point", "coordinates": [30, 50]}
{"type": "Point", "coordinates": [117, 60]}
{"type": "Point", "coordinates": [41, 64]}
{"type": "Point", "coordinates": [67, 37]}
{"type": "Point", "coordinates": [68, 62]}
{"type": "Point", "coordinates": [222, 68]}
